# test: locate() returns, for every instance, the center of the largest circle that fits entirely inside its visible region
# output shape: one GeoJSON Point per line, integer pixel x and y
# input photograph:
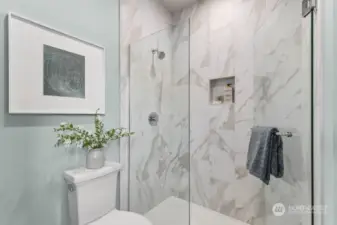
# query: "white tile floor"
{"type": "Point", "coordinates": [175, 211]}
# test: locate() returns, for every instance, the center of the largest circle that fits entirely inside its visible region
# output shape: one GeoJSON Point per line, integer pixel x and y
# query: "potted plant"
{"type": "Point", "coordinates": [93, 142]}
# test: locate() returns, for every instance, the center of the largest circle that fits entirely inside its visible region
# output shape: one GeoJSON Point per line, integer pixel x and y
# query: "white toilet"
{"type": "Point", "coordinates": [92, 198]}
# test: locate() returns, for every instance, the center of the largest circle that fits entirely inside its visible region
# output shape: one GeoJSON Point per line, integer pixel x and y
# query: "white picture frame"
{"type": "Point", "coordinates": [52, 72]}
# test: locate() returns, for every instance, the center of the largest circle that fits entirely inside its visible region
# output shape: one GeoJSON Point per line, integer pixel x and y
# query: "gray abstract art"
{"type": "Point", "coordinates": [63, 73]}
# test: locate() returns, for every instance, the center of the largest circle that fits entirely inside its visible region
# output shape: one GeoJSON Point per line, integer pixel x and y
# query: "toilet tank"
{"type": "Point", "coordinates": [91, 193]}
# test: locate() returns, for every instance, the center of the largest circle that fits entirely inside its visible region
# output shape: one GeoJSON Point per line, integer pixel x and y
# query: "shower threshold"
{"type": "Point", "coordinates": [175, 211]}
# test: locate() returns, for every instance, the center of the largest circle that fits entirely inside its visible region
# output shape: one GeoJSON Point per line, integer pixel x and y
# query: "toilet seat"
{"type": "Point", "coordinates": [116, 217]}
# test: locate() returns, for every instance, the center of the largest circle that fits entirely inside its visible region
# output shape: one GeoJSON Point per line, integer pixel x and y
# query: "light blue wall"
{"type": "Point", "coordinates": [32, 191]}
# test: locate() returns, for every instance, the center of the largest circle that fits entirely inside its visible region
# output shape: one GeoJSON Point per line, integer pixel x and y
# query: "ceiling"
{"type": "Point", "coordinates": [176, 5]}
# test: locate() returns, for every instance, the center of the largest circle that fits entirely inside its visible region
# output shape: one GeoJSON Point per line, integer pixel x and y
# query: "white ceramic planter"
{"type": "Point", "coordinates": [95, 159]}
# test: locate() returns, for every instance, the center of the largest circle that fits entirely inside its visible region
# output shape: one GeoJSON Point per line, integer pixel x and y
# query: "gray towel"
{"type": "Point", "coordinates": [265, 153]}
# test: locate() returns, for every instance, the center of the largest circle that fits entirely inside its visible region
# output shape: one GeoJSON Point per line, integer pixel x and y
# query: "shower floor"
{"type": "Point", "coordinates": [174, 211]}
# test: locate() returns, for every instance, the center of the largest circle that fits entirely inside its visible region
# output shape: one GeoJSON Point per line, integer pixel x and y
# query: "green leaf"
{"type": "Point", "coordinates": [68, 132]}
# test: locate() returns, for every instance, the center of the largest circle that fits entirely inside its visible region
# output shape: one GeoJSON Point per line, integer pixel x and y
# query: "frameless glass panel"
{"type": "Point", "coordinates": [282, 87]}
{"type": "Point", "coordinates": [159, 116]}
{"type": "Point", "coordinates": [264, 46]}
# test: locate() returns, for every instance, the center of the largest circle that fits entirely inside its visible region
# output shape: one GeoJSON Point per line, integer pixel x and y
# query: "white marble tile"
{"type": "Point", "coordinates": [138, 19]}
{"type": "Point", "coordinates": [258, 42]}
{"type": "Point", "coordinates": [159, 160]}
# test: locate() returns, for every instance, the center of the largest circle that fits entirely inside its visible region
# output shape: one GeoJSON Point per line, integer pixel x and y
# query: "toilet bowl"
{"type": "Point", "coordinates": [92, 198]}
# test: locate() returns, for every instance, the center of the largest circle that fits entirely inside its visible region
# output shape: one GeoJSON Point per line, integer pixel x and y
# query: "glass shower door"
{"type": "Point", "coordinates": [159, 116]}
{"type": "Point", "coordinates": [196, 91]}
{"type": "Point", "coordinates": [264, 46]}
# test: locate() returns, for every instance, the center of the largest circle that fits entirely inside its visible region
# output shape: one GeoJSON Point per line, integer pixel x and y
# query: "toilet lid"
{"type": "Point", "coordinates": [117, 217]}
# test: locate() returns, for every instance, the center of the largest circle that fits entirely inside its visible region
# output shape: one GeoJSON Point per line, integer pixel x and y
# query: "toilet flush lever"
{"type": "Point", "coordinates": [71, 188]}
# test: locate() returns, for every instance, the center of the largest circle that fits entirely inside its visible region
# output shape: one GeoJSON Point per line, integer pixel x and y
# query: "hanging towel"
{"type": "Point", "coordinates": [265, 153]}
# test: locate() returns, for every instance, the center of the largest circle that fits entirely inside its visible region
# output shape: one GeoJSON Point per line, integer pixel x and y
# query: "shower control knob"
{"type": "Point", "coordinates": [153, 119]}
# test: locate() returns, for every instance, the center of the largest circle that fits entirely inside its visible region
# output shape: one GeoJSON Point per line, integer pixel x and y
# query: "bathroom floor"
{"type": "Point", "coordinates": [173, 210]}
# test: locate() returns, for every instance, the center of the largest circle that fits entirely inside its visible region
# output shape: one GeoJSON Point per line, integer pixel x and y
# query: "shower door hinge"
{"type": "Point", "coordinates": [307, 7]}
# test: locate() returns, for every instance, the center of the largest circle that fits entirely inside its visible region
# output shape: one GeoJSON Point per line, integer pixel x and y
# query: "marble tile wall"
{"type": "Point", "coordinates": [159, 165]}
{"type": "Point", "coordinates": [138, 19]}
{"type": "Point", "coordinates": [282, 52]}
{"type": "Point", "coordinates": [260, 43]}
{"type": "Point", "coordinates": [157, 157]}
{"type": "Point", "coordinates": [221, 46]}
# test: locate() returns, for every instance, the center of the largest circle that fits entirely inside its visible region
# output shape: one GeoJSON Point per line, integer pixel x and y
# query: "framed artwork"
{"type": "Point", "coordinates": [51, 72]}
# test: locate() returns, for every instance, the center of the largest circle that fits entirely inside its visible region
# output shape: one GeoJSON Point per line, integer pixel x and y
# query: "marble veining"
{"type": "Point", "coordinates": [257, 42]}
{"type": "Point", "coordinates": [138, 19]}
{"type": "Point", "coordinates": [159, 159]}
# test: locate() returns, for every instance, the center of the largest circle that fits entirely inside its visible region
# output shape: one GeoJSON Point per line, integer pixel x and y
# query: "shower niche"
{"type": "Point", "coordinates": [222, 90]}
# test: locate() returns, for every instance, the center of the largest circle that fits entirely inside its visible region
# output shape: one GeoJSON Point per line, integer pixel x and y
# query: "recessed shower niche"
{"type": "Point", "coordinates": [222, 90]}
